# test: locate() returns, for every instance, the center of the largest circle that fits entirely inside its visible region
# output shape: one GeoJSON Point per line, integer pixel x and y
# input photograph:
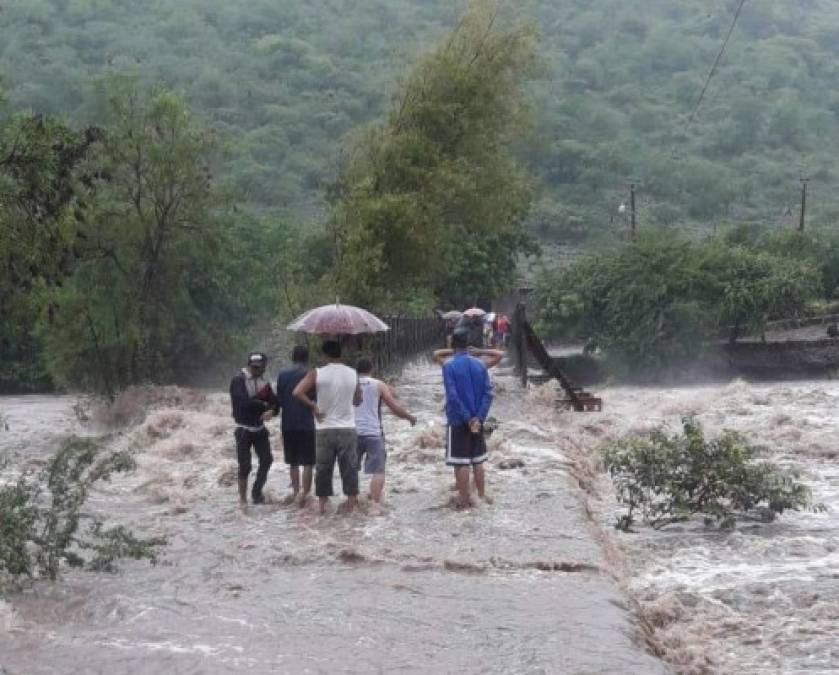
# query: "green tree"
{"type": "Point", "coordinates": [166, 291]}
{"type": "Point", "coordinates": [44, 193]}
{"type": "Point", "coordinates": [434, 195]}
{"type": "Point", "coordinates": [659, 301]}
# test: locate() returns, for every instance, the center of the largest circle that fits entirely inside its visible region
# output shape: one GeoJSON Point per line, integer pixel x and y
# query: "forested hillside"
{"type": "Point", "coordinates": [282, 82]}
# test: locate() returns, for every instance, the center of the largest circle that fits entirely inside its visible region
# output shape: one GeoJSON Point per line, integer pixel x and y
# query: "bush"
{"type": "Point", "coordinates": [668, 479]}
{"type": "Point", "coordinates": [658, 302]}
{"type": "Point", "coordinates": [40, 517]}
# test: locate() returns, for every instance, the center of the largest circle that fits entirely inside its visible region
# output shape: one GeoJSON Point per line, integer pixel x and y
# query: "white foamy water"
{"type": "Point", "coordinates": [285, 590]}
{"type": "Point", "coordinates": [763, 598]}
{"type": "Point", "coordinates": [518, 586]}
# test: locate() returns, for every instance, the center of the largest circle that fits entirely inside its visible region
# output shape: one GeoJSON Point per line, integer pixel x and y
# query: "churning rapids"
{"type": "Point", "coordinates": [537, 582]}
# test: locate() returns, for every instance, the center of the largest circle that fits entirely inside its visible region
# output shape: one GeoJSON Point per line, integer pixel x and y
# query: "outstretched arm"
{"type": "Point", "coordinates": [394, 405]}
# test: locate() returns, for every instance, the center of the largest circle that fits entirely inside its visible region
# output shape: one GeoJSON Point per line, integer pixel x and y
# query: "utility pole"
{"type": "Point", "coordinates": [803, 203]}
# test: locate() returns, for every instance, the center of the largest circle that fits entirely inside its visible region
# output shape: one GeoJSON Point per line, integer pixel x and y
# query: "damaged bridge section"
{"type": "Point", "coordinates": [526, 341]}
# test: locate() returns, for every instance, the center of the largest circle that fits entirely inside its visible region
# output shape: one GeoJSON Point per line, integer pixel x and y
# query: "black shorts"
{"type": "Point", "coordinates": [463, 447]}
{"type": "Point", "coordinates": [299, 447]}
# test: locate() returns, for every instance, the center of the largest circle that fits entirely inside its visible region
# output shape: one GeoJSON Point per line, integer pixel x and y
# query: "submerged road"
{"type": "Point", "coordinates": [518, 586]}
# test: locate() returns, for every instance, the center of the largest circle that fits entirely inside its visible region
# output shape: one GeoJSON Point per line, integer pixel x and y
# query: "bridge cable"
{"type": "Point", "coordinates": [713, 70]}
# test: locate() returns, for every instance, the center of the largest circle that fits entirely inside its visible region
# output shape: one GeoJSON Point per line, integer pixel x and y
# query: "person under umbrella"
{"type": "Point", "coordinates": [298, 426]}
{"type": "Point", "coordinates": [337, 392]}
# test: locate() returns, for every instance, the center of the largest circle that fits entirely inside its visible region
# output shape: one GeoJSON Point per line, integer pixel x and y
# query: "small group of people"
{"type": "Point", "coordinates": [488, 330]}
{"type": "Point", "coordinates": [500, 326]}
{"type": "Point", "coordinates": [333, 414]}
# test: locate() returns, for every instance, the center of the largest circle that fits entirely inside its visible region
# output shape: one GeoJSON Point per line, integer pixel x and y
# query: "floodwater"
{"type": "Point", "coordinates": [763, 598]}
{"type": "Point", "coordinates": [519, 586]}
{"type": "Point", "coordinates": [538, 582]}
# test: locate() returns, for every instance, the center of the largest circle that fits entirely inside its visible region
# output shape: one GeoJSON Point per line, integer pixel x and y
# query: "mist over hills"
{"type": "Point", "coordinates": [283, 82]}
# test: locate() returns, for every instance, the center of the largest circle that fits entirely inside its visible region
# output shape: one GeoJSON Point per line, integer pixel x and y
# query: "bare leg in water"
{"type": "Point", "coordinates": [324, 501]}
{"type": "Point", "coordinates": [350, 505]}
{"type": "Point", "coordinates": [461, 479]}
{"type": "Point", "coordinates": [294, 474]}
{"type": "Point", "coordinates": [307, 485]}
{"type": "Point", "coordinates": [377, 486]}
{"type": "Point", "coordinates": [480, 482]}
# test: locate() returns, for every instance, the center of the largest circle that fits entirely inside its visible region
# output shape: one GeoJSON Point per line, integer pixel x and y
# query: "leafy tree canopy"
{"type": "Point", "coordinates": [433, 199]}
{"type": "Point", "coordinates": [282, 82]}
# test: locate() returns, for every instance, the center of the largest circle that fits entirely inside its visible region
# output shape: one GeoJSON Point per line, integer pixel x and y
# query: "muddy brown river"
{"type": "Point", "coordinates": [514, 587]}
{"type": "Point", "coordinates": [537, 582]}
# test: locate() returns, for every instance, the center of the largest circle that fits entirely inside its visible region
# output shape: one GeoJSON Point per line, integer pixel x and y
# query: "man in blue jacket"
{"type": "Point", "coordinates": [468, 398]}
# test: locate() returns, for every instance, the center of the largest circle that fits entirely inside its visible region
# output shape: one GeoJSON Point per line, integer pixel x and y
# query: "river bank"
{"type": "Point", "coordinates": [762, 598]}
{"type": "Point", "coordinates": [519, 586]}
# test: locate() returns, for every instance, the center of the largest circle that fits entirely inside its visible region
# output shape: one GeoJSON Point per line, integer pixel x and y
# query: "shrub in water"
{"type": "Point", "coordinates": [668, 478]}
{"type": "Point", "coordinates": [40, 516]}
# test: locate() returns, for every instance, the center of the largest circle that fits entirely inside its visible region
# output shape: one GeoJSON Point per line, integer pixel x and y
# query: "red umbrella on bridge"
{"type": "Point", "coordinates": [339, 319]}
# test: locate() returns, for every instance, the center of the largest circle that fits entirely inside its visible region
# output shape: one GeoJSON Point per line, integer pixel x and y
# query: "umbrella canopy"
{"type": "Point", "coordinates": [474, 311]}
{"type": "Point", "coordinates": [339, 319]}
{"type": "Point", "coordinates": [452, 315]}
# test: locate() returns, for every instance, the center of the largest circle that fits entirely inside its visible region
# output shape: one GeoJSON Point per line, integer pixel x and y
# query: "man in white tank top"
{"type": "Point", "coordinates": [368, 424]}
{"type": "Point", "coordinates": [335, 438]}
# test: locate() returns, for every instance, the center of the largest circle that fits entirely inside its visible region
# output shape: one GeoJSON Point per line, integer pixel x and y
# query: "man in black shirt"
{"type": "Point", "coordinates": [254, 403]}
{"type": "Point", "coordinates": [298, 426]}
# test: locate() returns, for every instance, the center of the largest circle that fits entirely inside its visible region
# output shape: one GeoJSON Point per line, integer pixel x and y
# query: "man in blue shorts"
{"type": "Point", "coordinates": [468, 399]}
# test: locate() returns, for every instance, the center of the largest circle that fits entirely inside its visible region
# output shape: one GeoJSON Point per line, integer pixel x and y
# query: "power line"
{"type": "Point", "coordinates": [713, 70]}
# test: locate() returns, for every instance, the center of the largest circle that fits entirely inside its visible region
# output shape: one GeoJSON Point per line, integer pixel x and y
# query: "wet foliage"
{"type": "Point", "coordinates": [664, 479]}
{"type": "Point", "coordinates": [44, 525]}
{"type": "Point", "coordinates": [283, 82]}
{"type": "Point", "coordinates": [659, 301]}
{"type": "Point", "coordinates": [431, 203]}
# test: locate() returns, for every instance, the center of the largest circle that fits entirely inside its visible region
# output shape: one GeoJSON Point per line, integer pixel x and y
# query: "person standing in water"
{"type": "Point", "coordinates": [468, 399]}
{"type": "Point", "coordinates": [298, 426]}
{"type": "Point", "coordinates": [368, 424]}
{"type": "Point", "coordinates": [337, 391]}
{"type": "Point", "coordinates": [253, 403]}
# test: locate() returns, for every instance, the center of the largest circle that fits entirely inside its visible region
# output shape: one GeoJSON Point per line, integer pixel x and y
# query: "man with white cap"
{"type": "Point", "coordinates": [253, 402]}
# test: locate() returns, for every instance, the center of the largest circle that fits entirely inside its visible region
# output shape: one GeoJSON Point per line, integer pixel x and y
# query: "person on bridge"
{"type": "Point", "coordinates": [368, 424]}
{"type": "Point", "coordinates": [503, 330]}
{"type": "Point", "coordinates": [468, 399]}
{"type": "Point", "coordinates": [253, 403]}
{"type": "Point", "coordinates": [298, 426]}
{"type": "Point", "coordinates": [337, 391]}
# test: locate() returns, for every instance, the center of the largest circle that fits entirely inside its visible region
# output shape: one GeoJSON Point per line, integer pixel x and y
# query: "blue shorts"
{"type": "Point", "coordinates": [372, 448]}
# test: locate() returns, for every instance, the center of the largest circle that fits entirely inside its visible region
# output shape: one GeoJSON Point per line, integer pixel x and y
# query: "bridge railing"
{"type": "Point", "coordinates": [407, 338]}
